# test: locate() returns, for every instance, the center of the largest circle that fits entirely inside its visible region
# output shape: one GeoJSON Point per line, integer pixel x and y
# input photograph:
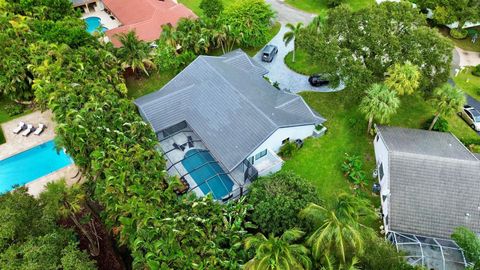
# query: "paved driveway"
{"type": "Point", "coordinates": [288, 14]}
{"type": "Point", "coordinates": [279, 72]}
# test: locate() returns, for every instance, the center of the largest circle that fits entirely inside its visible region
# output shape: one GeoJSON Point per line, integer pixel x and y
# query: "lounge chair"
{"type": "Point", "coordinates": [190, 141]}
{"type": "Point", "coordinates": [179, 147]}
{"type": "Point", "coordinates": [40, 129]}
{"type": "Point", "coordinates": [28, 130]}
{"type": "Point", "coordinates": [21, 126]}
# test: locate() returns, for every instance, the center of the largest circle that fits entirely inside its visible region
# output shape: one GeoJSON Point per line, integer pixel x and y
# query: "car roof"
{"type": "Point", "coordinates": [269, 47]}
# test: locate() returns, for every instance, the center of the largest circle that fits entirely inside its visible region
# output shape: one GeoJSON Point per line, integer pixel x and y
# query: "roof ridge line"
{"type": "Point", "coordinates": [240, 94]}
{"type": "Point", "coordinates": [433, 156]}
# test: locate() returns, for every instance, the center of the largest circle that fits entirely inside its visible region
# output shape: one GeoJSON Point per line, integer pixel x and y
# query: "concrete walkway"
{"type": "Point", "coordinates": [467, 58]}
{"type": "Point", "coordinates": [288, 79]}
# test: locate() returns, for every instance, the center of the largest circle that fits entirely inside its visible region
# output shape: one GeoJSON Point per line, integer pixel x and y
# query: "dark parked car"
{"type": "Point", "coordinates": [317, 80]}
{"type": "Point", "coordinates": [269, 53]}
{"type": "Point", "coordinates": [471, 116]}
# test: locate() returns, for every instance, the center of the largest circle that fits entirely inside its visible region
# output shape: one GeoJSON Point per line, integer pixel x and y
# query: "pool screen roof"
{"type": "Point", "coordinates": [228, 103]}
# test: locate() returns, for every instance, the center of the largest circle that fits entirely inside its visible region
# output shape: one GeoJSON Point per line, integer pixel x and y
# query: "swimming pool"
{"type": "Point", "coordinates": [30, 165]}
{"type": "Point", "coordinates": [93, 23]}
{"type": "Point", "coordinates": [201, 166]}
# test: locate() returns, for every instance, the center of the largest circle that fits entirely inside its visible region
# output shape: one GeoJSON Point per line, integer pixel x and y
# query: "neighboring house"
{"type": "Point", "coordinates": [220, 116]}
{"type": "Point", "coordinates": [430, 185]}
{"type": "Point", "coordinates": [145, 17]}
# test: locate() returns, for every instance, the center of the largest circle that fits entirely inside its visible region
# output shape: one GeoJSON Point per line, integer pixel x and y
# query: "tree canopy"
{"type": "Point", "coordinates": [358, 47]}
{"type": "Point", "coordinates": [278, 199]}
{"type": "Point", "coordinates": [451, 11]}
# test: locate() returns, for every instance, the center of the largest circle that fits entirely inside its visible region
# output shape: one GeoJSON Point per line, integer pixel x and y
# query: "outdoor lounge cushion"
{"type": "Point", "coordinates": [40, 129]}
{"type": "Point", "coordinates": [20, 127]}
{"type": "Point", "coordinates": [27, 131]}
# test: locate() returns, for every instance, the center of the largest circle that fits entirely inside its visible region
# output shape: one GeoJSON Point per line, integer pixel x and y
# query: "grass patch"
{"type": "Point", "coordinates": [4, 115]}
{"type": "Point", "coordinates": [138, 87]}
{"type": "Point", "coordinates": [302, 64]}
{"type": "Point", "coordinates": [468, 83]}
{"type": "Point", "coordinates": [194, 5]}
{"type": "Point", "coordinates": [319, 161]}
{"type": "Point", "coordinates": [320, 6]}
{"type": "Point", "coordinates": [465, 44]}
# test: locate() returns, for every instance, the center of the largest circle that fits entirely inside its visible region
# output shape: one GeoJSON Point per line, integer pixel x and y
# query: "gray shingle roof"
{"type": "Point", "coordinates": [434, 182]}
{"type": "Point", "coordinates": [228, 103]}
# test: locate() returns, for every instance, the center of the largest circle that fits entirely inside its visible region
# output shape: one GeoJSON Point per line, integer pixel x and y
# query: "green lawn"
{"type": "Point", "coordinates": [468, 83]}
{"type": "Point", "coordinates": [301, 57]}
{"type": "Point", "coordinates": [320, 159]}
{"type": "Point", "coordinates": [138, 87]}
{"type": "Point", "coordinates": [194, 5]}
{"type": "Point", "coordinates": [320, 6]}
{"type": "Point", "coordinates": [465, 44]}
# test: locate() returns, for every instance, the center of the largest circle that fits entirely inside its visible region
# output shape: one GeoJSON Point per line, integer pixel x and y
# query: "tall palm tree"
{"type": "Point", "coordinates": [134, 53]}
{"type": "Point", "coordinates": [404, 79]}
{"type": "Point", "coordinates": [339, 232]}
{"type": "Point", "coordinates": [290, 35]}
{"type": "Point", "coordinates": [169, 35]}
{"type": "Point", "coordinates": [379, 103]}
{"type": "Point", "coordinates": [278, 253]}
{"type": "Point", "coordinates": [447, 100]}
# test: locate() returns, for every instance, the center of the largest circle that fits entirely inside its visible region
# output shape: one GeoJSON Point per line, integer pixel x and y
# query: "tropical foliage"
{"type": "Point", "coordinates": [278, 199]}
{"type": "Point", "coordinates": [403, 78]}
{"type": "Point", "coordinates": [134, 54]}
{"type": "Point", "coordinates": [352, 167]}
{"type": "Point", "coordinates": [31, 239]}
{"type": "Point", "coordinates": [278, 253]}
{"type": "Point", "coordinates": [289, 36]}
{"type": "Point", "coordinates": [379, 103]}
{"type": "Point", "coordinates": [339, 232]}
{"type": "Point", "coordinates": [211, 8]}
{"type": "Point", "coordinates": [470, 243]}
{"type": "Point", "coordinates": [451, 11]}
{"type": "Point", "coordinates": [359, 47]}
{"type": "Point", "coordinates": [447, 100]}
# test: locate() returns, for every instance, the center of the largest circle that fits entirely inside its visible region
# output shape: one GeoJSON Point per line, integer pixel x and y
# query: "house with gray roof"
{"type": "Point", "coordinates": [219, 123]}
{"type": "Point", "coordinates": [430, 185]}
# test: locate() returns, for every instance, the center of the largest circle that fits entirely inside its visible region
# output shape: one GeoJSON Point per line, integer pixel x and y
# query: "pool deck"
{"type": "Point", "coordinates": [16, 143]}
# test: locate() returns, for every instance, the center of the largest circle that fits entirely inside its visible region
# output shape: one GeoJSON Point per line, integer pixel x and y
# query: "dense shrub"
{"type": "Point", "coordinates": [476, 71]}
{"type": "Point", "coordinates": [441, 124]}
{"type": "Point", "coordinates": [334, 3]}
{"type": "Point", "coordinates": [277, 200]}
{"type": "Point", "coordinates": [470, 243]}
{"type": "Point", "coordinates": [14, 109]}
{"type": "Point", "coordinates": [352, 168]}
{"type": "Point", "coordinates": [211, 8]}
{"type": "Point", "coordinates": [381, 255]}
{"type": "Point", "coordinates": [288, 149]}
{"type": "Point", "coordinates": [458, 34]}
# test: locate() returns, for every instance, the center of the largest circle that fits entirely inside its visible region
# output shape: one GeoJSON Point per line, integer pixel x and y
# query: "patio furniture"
{"type": "Point", "coordinates": [190, 141]}
{"type": "Point", "coordinates": [40, 129]}
{"type": "Point", "coordinates": [28, 130]}
{"type": "Point", "coordinates": [184, 188]}
{"type": "Point", "coordinates": [21, 126]}
{"type": "Point", "coordinates": [179, 147]}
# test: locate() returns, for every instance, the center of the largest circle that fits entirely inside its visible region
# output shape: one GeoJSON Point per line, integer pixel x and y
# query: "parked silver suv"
{"type": "Point", "coordinates": [269, 52]}
{"type": "Point", "coordinates": [471, 116]}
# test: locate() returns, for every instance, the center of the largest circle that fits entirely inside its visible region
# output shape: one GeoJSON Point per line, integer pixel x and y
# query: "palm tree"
{"type": "Point", "coordinates": [274, 253]}
{"type": "Point", "coordinates": [404, 79]}
{"type": "Point", "coordinates": [134, 53]}
{"type": "Point", "coordinates": [379, 103]}
{"type": "Point", "coordinates": [65, 202]}
{"type": "Point", "coordinates": [330, 264]}
{"type": "Point", "coordinates": [339, 232]}
{"type": "Point", "coordinates": [290, 36]}
{"type": "Point", "coordinates": [169, 35]}
{"type": "Point", "coordinates": [448, 100]}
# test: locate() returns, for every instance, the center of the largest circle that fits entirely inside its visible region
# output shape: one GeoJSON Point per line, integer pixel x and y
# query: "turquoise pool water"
{"type": "Point", "coordinates": [93, 23]}
{"type": "Point", "coordinates": [201, 166]}
{"type": "Point", "coordinates": [30, 165]}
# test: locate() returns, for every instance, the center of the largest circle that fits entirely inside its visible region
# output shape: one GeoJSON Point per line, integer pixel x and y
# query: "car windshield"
{"type": "Point", "coordinates": [476, 115]}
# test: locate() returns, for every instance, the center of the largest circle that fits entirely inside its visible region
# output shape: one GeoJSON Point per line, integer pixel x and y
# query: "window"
{"type": "Point", "coordinates": [286, 140]}
{"type": "Point", "coordinates": [380, 171]}
{"type": "Point", "coordinates": [386, 220]}
{"type": "Point", "coordinates": [251, 159]}
{"type": "Point", "coordinates": [376, 139]}
{"type": "Point", "coordinates": [261, 154]}
{"type": "Point", "coordinates": [384, 197]}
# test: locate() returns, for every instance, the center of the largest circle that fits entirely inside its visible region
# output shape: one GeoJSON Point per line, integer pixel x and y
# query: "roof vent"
{"type": "Point", "coordinates": [467, 214]}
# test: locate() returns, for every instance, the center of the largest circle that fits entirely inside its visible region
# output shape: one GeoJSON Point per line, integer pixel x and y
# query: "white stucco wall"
{"type": "Point", "coordinates": [381, 157]}
{"type": "Point", "coordinates": [274, 142]}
